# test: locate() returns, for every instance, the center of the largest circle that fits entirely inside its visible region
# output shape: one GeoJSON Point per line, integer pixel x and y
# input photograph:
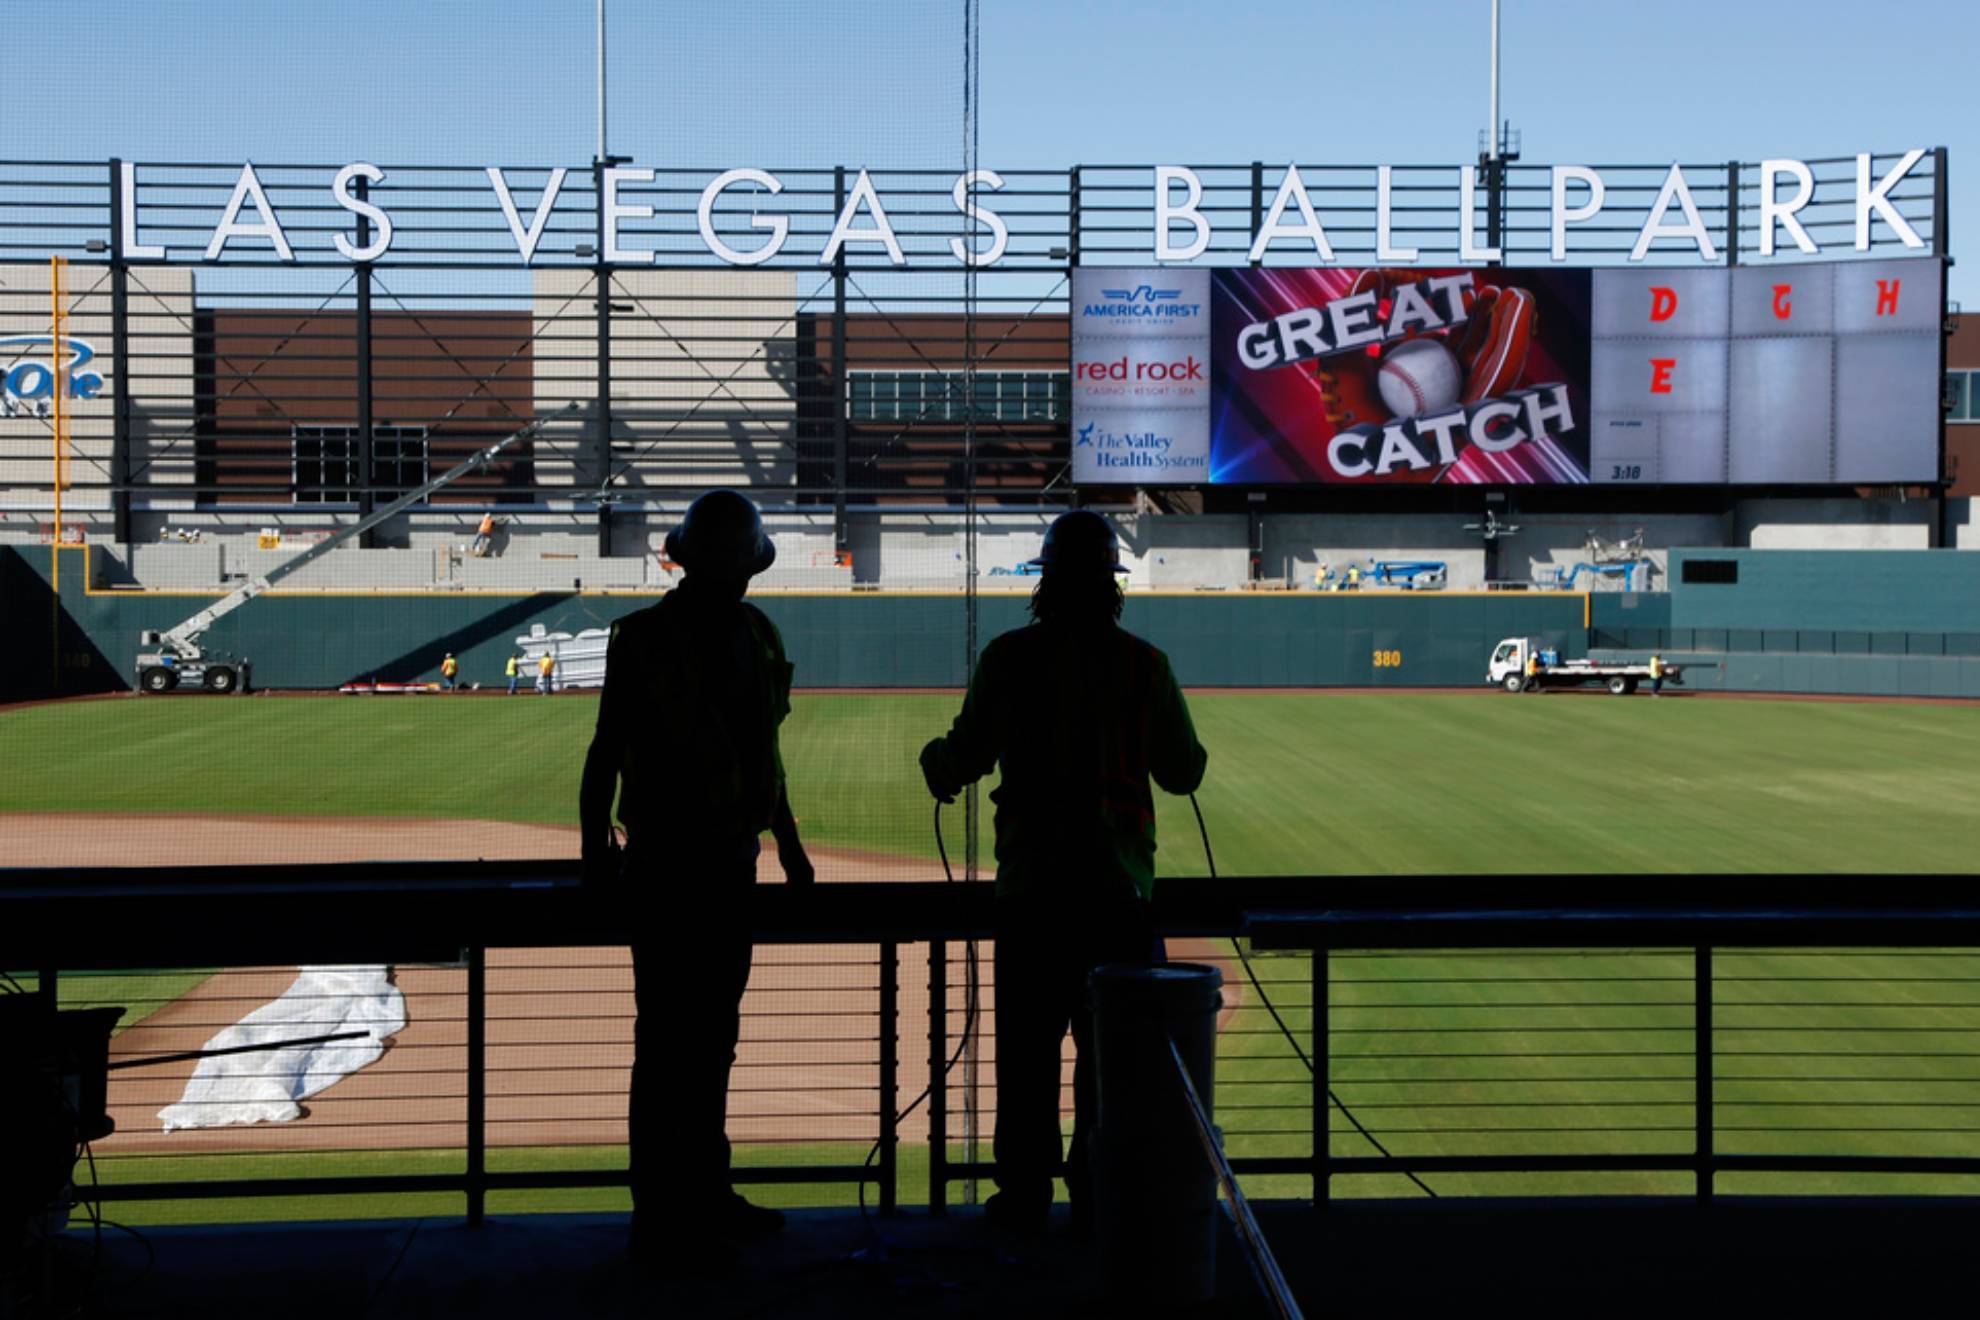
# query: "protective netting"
{"type": "Point", "coordinates": [426, 690]}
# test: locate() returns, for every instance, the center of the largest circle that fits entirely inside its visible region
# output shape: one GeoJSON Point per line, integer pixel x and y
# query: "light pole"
{"type": "Point", "coordinates": [601, 71]}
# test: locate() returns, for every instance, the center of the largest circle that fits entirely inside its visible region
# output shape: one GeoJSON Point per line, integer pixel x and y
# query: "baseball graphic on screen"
{"type": "Point", "coordinates": [1419, 376]}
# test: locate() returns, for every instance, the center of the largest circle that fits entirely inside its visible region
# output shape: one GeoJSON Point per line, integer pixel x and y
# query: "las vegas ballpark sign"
{"type": "Point", "coordinates": [1181, 229]}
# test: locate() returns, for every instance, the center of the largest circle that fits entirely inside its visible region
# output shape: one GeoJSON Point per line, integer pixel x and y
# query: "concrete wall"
{"type": "Point", "coordinates": [540, 549]}
{"type": "Point", "coordinates": [1838, 524]}
{"type": "Point", "coordinates": [161, 386]}
{"type": "Point", "coordinates": [702, 365]}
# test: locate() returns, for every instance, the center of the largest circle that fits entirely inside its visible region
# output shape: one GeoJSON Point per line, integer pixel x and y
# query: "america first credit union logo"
{"type": "Point", "coordinates": [1143, 302]}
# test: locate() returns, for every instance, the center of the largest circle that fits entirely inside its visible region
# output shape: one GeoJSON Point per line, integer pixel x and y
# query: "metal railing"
{"type": "Point", "coordinates": [1663, 1033]}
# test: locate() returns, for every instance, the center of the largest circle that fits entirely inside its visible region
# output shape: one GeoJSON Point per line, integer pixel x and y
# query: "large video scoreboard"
{"type": "Point", "coordinates": [1765, 375]}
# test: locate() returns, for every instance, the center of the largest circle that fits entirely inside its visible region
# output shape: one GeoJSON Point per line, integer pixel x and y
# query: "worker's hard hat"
{"type": "Point", "coordinates": [722, 533]}
{"type": "Point", "coordinates": [1080, 541]}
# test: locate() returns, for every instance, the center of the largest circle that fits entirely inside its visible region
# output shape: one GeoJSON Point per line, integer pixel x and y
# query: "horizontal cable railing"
{"type": "Point", "coordinates": [1623, 1035]}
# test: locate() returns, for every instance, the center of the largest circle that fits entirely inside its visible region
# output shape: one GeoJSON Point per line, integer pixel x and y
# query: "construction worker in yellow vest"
{"type": "Point", "coordinates": [546, 665]}
{"type": "Point", "coordinates": [1354, 577]}
{"type": "Point", "coordinates": [449, 669]}
{"type": "Point", "coordinates": [695, 690]}
{"type": "Point", "coordinates": [1656, 675]}
{"type": "Point", "coordinates": [513, 670]}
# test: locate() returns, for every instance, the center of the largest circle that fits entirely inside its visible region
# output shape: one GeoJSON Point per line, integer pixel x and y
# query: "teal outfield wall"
{"type": "Point", "coordinates": [1846, 675]}
{"type": "Point", "coordinates": [1871, 591]}
{"type": "Point", "coordinates": [843, 640]}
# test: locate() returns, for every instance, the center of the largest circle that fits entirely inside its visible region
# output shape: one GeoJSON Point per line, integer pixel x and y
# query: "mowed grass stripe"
{"type": "Point", "coordinates": [1298, 784]}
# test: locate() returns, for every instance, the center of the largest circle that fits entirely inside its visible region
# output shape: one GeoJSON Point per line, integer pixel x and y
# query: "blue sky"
{"type": "Point", "coordinates": [789, 83]}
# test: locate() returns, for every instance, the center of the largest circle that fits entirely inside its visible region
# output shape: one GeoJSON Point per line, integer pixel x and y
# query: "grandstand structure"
{"type": "Point", "coordinates": [229, 396]}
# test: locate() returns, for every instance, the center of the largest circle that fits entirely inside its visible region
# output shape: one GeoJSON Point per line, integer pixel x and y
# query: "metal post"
{"type": "Point", "coordinates": [1257, 203]}
{"type": "Point", "coordinates": [601, 79]}
{"type": "Point", "coordinates": [1702, 1066]}
{"type": "Point", "coordinates": [120, 352]}
{"type": "Point", "coordinates": [1732, 213]}
{"type": "Point", "coordinates": [938, 1096]}
{"type": "Point", "coordinates": [602, 439]}
{"type": "Point", "coordinates": [367, 419]}
{"type": "Point", "coordinates": [1323, 1154]}
{"type": "Point", "coordinates": [477, 1086]}
{"type": "Point", "coordinates": [841, 534]}
{"type": "Point", "coordinates": [1939, 195]}
{"type": "Point", "coordinates": [1945, 535]}
{"type": "Point", "coordinates": [1072, 219]}
{"type": "Point", "coordinates": [1492, 148]}
{"type": "Point", "coordinates": [890, 1038]}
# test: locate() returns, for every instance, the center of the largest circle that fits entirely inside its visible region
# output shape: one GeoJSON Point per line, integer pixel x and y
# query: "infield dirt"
{"type": "Point", "coordinates": [559, 1035]}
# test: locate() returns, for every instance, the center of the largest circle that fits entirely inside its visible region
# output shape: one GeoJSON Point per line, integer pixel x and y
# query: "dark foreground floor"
{"type": "Point", "coordinates": [1554, 1257]}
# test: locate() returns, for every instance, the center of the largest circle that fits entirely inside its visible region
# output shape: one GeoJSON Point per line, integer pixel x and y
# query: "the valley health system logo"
{"type": "Point", "coordinates": [1141, 376]}
{"type": "Point", "coordinates": [27, 376]}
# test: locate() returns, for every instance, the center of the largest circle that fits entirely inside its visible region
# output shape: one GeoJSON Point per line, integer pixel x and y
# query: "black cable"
{"type": "Point", "coordinates": [1252, 975]}
{"type": "Point", "coordinates": [384, 1280]}
{"type": "Point", "coordinates": [970, 1000]}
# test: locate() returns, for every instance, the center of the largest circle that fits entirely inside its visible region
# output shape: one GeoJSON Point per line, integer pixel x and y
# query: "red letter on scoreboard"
{"type": "Point", "coordinates": [1663, 302]}
{"type": "Point", "coordinates": [1887, 296]}
{"type": "Point", "coordinates": [1660, 375]}
{"type": "Point", "coordinates": [1783, 297]}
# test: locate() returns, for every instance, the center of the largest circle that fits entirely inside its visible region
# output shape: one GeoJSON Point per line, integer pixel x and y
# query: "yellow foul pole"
{"type": "Point", "coordinates": [58, 390]}
{"type": "Point", "coordinates": [57, 279]}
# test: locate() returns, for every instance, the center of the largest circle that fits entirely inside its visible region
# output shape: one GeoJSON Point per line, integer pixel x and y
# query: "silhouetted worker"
{"type": "Point", "coordinates": [695, 688]}
{"type": "Point", "coordinates": [1079, 714]}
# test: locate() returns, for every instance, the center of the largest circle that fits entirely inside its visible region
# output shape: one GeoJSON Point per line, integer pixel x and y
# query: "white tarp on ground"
{"type": "Point", "coordinates": [266, 1086]}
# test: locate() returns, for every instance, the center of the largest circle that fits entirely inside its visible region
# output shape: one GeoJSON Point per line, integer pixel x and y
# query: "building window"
{"type": "Point", "coordinates": [1039, 397]}
{"type": "Point", "coordinates": [326, 461]}
{"type": "Point", "coordinates": [1962, 387]}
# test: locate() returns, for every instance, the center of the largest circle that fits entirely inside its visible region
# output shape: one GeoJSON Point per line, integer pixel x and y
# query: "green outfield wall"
{"type": "Point", "coordinates": [1900, 623]}
{"type": "Point", "coordinates": [877, 639]}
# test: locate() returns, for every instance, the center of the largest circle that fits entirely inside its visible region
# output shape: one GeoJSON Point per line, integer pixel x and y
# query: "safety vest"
{"type": "Point", "coordinates": [1656, 666]}
{"type": "Point", "coordinates": [450, 666]}
{"type": "Point", "coordinates": [487, 524]}
{"type": "Point", "coordinates": [546, 663]}
{"type": "Point", "coordinates": [510, 671]}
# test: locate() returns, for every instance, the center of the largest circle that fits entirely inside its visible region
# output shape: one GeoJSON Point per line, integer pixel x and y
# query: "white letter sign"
{"type": "Point", "coordinates": [248, 188]}
{"type": "Point", "coordinates": [778, 226]}
{"type": "Point", "coordinates": [527, 239]}
{"type": "Point", "coordinates": [340, 188]}
{"type": "Point", "coordinates": [1293, 190]}
{"type": "Point", "coordinates": [880, 231]}
{"type": "Point", "coordinates": [1693, 227]}
{"type": "Point", "coordinates": [1563, 216]}
{"type": "Point", "coordinates": [1166, 212]}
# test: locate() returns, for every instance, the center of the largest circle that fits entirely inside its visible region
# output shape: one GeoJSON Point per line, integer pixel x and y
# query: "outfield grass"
{"type": "Point", "coordinates": [1321, 784]}
{"type": "Point", "coordinates": [1476, 1053]}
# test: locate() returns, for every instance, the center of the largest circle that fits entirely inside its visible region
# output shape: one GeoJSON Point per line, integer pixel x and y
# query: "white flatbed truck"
{"type": "Point", "coordinates": [176, 658]}
{"type": "Point", "coordinates": [1507, 669]}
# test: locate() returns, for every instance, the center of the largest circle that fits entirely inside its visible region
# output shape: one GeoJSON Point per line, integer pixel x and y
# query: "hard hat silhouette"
{"type": "Point", "coordinates": [1080, 541]}
{"type": "Point", "coordinates": [722, 533]}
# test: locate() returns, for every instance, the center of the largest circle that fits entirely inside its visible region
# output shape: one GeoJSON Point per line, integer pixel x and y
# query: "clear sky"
{"type": "Point", "coordinates": [792, 83]}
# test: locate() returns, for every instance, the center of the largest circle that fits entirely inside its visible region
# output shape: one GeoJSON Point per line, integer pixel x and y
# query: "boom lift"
{"type": "Point", "coordinates": [177, 657]}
